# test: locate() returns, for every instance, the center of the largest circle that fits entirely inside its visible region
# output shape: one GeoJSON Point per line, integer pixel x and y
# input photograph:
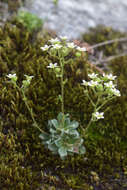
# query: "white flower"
{"type": "Point", "coordinates": [84, 83]}
{"type": "Point", "coordinates": [98, 115]}
{"type": "Point", "coordinates": [52, 66]}
{"type": "Point", "coordinates": [110, 76]}
{"type": "Point", "coordinates": [56, 46]}
{"type": "Point", "coordinates": [26, 83]}
{"type": "Point", "coordinates": [81, 49]}
{"type": "Point", "coordinates": [71, 45]}
{"type": "Point", "coordinates": [92, 83]}
{"type": "Point", "coordinates": [11, 76]}
{"type": "Point", "coordinates": [28, 78]}
{"type": "Point", "coordinates": [115, 92]}
{"type": "Point", "coordinates": [54, 41]}
{"type": "Point", "coordinates": [109, 85]}
{"type": "Point", "coordinates": [63, 37]}
{"type": "Point", "coordinates": [45, 48]}
{"type": "Point", "coordinates": [93, 75]}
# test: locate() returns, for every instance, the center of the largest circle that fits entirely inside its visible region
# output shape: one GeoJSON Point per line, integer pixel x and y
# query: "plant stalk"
{"type": "Point", "coordinates": [30, 111]}
{"type": "Point", "coordinates": [62, 88]}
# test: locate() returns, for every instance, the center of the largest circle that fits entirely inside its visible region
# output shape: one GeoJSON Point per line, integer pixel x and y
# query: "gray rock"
{"type": "Point", "coordinates": [73, 17]}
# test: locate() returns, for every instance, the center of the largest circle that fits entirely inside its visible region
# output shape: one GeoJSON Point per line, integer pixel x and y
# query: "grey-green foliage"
{"type": "Point", "coordinates": [29, 20]}
{"type": "Point", "coordinates": [63, 137]}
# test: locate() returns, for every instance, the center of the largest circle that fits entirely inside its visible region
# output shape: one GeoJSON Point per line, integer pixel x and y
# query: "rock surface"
{"type": "Point", "coordinates": [73, 17]}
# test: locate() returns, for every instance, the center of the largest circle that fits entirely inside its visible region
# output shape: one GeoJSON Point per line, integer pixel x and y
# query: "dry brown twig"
{"type": "Point", "coordinates": [108, 42]}
{"type": "Point", "coordinates": [111, 58]}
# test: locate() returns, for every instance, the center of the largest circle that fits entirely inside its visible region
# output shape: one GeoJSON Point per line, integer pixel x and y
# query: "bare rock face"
{"type": "Point", "coordinates": [73, 17]}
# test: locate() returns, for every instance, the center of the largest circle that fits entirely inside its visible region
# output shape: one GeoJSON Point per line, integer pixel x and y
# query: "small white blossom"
{"type": "Point", "coordinates": [45, 48]}
{"type": "Point", "coordinates": [115, 92]}
{"type": "Point", "coordinates": [52, 66]}
{"type": "Point", "coordinates": [109, 85]}
{"type": "Point", "coordinates": [81, 49]}
{"type": "Point", "coordinates": [85, 83]}
{"type": "Point", "coordinates": [98, 115]}
{"type": "Point", "coordinates": [11, 76]}
{"type": "Point", "coordinates": [92, 83]}
{"type": "Point", "coordinates": [56, 46]}
{"type": "Point", "coordinates": [110, 76]}
{"type": "Point", "coordinates": [71, 45]}
{"type": "Point", "coordinates": [63, 37]}
{"type": "Point", "coordinates": [54, 41]}
{"type": "Point", "coordinates": [29, 78]}
{"type": "Point", "coordinates": [93, 75]}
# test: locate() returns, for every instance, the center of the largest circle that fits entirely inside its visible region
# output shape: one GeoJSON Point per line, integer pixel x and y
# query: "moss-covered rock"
{"type": "Point", "coordinates": [102, 34]}
{"type": "Point", "coordinates": [106, 144]}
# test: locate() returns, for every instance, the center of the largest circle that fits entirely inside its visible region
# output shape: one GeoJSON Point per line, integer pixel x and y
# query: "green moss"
{"type": "Point", "coordinates": [102, 34]}
{"type": "Point", "coordinates": [29, 20]}
{"type": "Point", "coordinates": [105, 143]}
{"type": "Point", "coordinates": [14, 172]}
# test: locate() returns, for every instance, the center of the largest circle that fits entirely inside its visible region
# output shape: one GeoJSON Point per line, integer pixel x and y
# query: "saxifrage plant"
{"type": "Point", "coordinates": [63, 137]}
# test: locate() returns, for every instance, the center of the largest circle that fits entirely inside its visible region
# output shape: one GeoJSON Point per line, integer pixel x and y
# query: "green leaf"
{"type": "Point", "coordinates": [81, 141]}
{"type": "Point", "coordinates": [44, 136]}
{"type": "Point", "coordinates": [49, 141]}
{"type": "Point", "coordinates": [67, 115]}
{"type": "Point", "coordinates": [72, 141]}
{"type": "Point", "coordinates": [82, 150]}
{"type": "Point", "coordinates": [60, 116]}
{"type": "Point", "coordinates": [70, 149]}
{"type": "Point", "coordinates": [73, 125]}
{"type": "Point", "coordinates": [62, 151]}
{"type": "Point", "coordinates": [78, 54]}
{"type": "Point", "coordinates": [73, 132]}
{"type": "Point", "coordinates": [60, 97]}
{"type": "Point", "coordinates": [52, 130]}
{"type": "Point", "coordinates": [55, 123]}
{"type": "Point", "coordinates": [67, 121]}
{"type": "Point", "coordinates": [59, 142]}
{"type": "Point", "coordinates": [57, 70]}
{"type": "Point", "coordinates": [53, 147]}
{"type": "Point", "coordinates": [49, 123]}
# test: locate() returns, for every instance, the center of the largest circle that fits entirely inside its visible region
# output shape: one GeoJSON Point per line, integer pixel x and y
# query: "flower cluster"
{"type": "Point", "coordinates": [91, 83]}
{"type": "Point", "coordinates": [25, 83]}
{"type": "Point", "coordinates": [61, 42]}
{"type": "Point", "coordinates": [103, 84]}
{"type": "Point", "coordinates": [104, 90]}
{"type": "Point", "coordinates": [109, 77]}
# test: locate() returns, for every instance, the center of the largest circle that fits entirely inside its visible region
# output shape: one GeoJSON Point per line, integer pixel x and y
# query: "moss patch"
{"type": "Point", "coordinates": [25, 163]}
